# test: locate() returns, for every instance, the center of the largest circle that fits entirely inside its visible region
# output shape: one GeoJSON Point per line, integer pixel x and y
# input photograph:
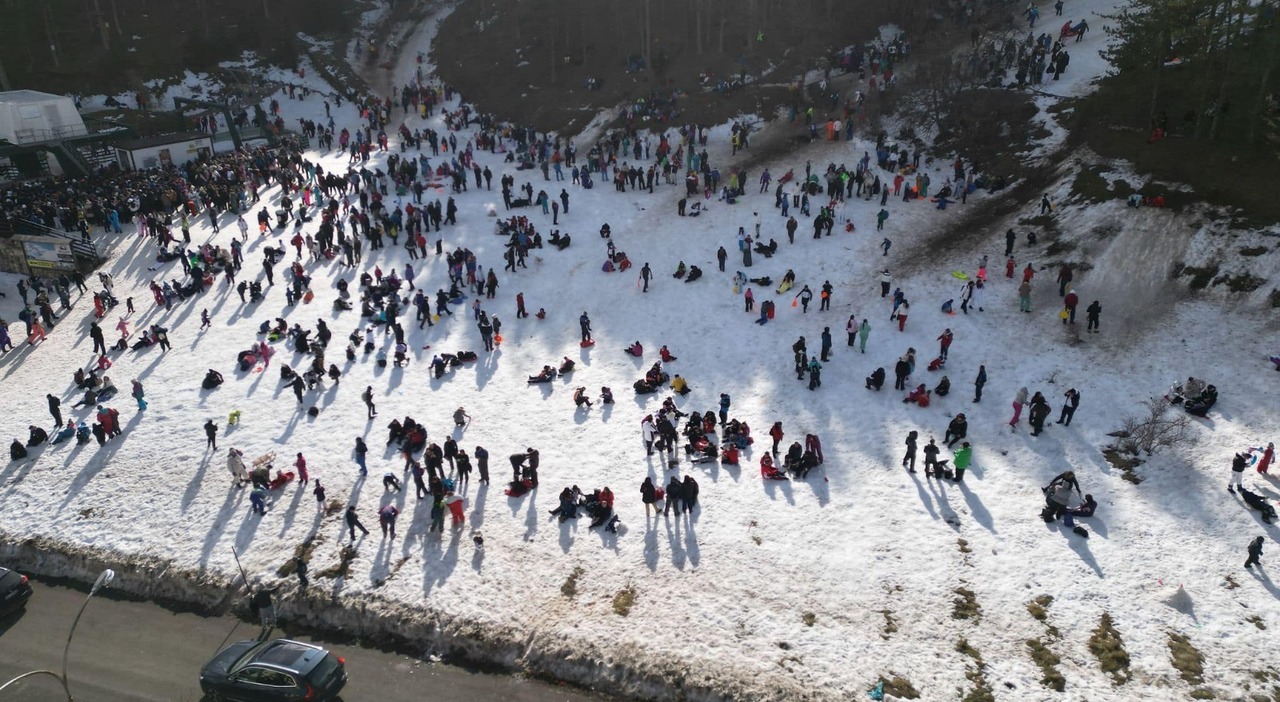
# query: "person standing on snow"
{"type": "Point", "coordinates": [1092, 313]}
{"type": "Point", "coordinates": [55, 409]}
{"type": "Point", "coordinates": [1071, 301]}
{"type": "Point", "coordinates": [353, 522]}
{"type": "Point", "coordinates": [584, 323]}
{"type": "Point", "coordinates": [909, 458]}
{"type": "Point", "coordinates": [1018, 401]}
{"type": "Point", "coordinates": [1255, 553]}
{"type": "Point", "coordinates": [944, 343]}
{"type": "Point", "coordinates": [367, 396]}
{"type": "Point", "coordinates": [211, 434]}
{"type": "Point", "coordinates": [1238, 464]}
{"type": "Point", "coordinates": [851, 329]}
{"type": "Point", "coordinates": [865, 330]}
{"type": "Point", "coordinates": [1069, 407]}
{"type": "Point", "coordinates": [980, 381]}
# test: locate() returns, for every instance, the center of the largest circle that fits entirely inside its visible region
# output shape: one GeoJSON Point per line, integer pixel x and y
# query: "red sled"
{"type": "Point", "coordinates": [770, 312]}
{"type": "Point", "coordinates": [587, 344]}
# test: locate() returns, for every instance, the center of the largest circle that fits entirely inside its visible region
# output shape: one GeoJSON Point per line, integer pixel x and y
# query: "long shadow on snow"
{"type": "Point", "coordinates": [214, 535]}
{"type": "Point", "coordinates": [197, 480]}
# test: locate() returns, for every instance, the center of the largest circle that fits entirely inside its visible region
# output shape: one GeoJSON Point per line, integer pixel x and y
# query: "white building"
{"type": "Point", "coordinates": [163, 150]}
{"type": "Point", "coordinates": [31, 117]}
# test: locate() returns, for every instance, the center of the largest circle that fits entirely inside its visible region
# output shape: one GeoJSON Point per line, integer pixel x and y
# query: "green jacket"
{"type": "Point", "coordinates": [963, 456]}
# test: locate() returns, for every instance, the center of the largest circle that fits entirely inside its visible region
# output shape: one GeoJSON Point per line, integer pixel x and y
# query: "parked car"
{"type": "Point", "coordinates": [281, 670]}
{"type": "Point", "coordinates": [14, 591]}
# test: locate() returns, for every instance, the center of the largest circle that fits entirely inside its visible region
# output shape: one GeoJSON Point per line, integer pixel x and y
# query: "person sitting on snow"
{"type": "Point", "coordinates": [580, 397]}
{"type": "Point", "coordinates": [919, 396]}
{"type": "Point", "coordinates": [768, 471]}
{"type": "Point", "coordinates": [1201, 405]}
{"type": "Point", "coordinates": [680, 271]}
{"type": "Point", "coordinates": [547, 374]}
{"type": "Point", "coordinates": [1086, 508]}
{"type": "Point", "coordinates": [566, 366]}
{"type": "Point", "coordinates": [875, 381]}
{"type": "Point", "coordinates": [679, 385]}
{"type": "Point", "coordinates": [665, 355]}
{"type": "Point", "coordinates": [635, 349]}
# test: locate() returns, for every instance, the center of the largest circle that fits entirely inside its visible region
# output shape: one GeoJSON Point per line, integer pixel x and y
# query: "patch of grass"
{"type": "Point", "coordinates": [963, 546]}
{"type": "Point", "coordinates": [1039, 607]}
{"type": "Point", "coordinates": [1275, 297]}
{"type": "Point", "coordinates": [570, 587]}
{"type": "Point", "coordinates": [898, 686]}
{"type": "Point", "coordinates": [1201, 276]}
{"type": "Point", "coordinates": [1257, 621]}
{"type": "Point", "coordinates": [342, 568]}
{"type": "Point", "coordinates": [303, 551]}
{"type": "Point", "coordinates": [1230, 582]}
{"type": "Point", "coordinates": [332, 508]}
{"type": "Point", "coordinates": [1059, 247]}
{"type": "Point", "coordinates": [1048, 662]}
{"type": "Point", "coordinates": [966, 605]}
{"type": "Point", "coordinates": [808, 618]}
{"type": "Point", "coordinates": [757, 539]}
{"type": "Point", "coordinates": [1241, 282]}
{"type": "Point", "coordinates": [1090, 186]}
{"type": "Point", "coordinates": [1203, 693]}
{"type": "Point", "coordinates": [1186, 658]}
{"type": "Point", "coordinates": [1107, 646]}
{"type": "Point", "coordinates": [1123, 462]}
{"type": "Point", "coordinates": [890, 624]}
{"type": "Point", "coordinates": [981, 691]}
{"type": "Point", "coordinates": [1253, 251]}
{"type": "Point", "coordinates": [623, 601]}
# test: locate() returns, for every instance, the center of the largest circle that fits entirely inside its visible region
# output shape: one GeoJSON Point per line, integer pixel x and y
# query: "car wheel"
{"type": "Point", "coordinates": [214, 696]}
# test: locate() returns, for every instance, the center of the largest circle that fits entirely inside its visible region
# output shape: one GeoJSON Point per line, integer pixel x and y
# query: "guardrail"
{"type": "Point", "coordinates": [80, 247]}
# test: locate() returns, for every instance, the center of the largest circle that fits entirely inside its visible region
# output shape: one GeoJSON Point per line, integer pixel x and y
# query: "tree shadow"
{"type": "Point", "coordinates": [292, 512]}
{"type": "Point", "coordinates": [248, 530]}
{"type": "Point", "coordinates": [214, 535]}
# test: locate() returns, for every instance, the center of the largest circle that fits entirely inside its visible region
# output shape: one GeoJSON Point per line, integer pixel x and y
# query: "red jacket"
{"type": "Point", "coordinates": [1072, 300]}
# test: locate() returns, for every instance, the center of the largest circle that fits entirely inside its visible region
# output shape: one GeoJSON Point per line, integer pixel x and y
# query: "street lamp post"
{"type": "Point", "coordinates": [104, 579]}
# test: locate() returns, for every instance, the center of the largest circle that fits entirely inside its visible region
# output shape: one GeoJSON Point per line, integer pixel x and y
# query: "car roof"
{"type": "Point", "coordinates": [289, 655]}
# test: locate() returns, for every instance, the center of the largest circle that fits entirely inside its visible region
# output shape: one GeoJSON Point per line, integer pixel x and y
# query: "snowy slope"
{"type": "Point", "coordinates": [722, 600]}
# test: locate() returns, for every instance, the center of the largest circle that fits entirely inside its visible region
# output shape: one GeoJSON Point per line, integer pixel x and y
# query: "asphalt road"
{"type": "Point", "coordinates": [127, 651]}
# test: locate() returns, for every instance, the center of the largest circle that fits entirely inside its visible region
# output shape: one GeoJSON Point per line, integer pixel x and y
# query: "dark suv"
{"type": "Point", "coordinates": [14, 591]}
{"type": "Point", "coordinates": [273, 671]}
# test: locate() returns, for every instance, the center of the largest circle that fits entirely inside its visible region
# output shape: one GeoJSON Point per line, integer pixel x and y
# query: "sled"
{"type": "Point", "coordinates": [308, 297]}
{"type": "Point", "coordinates": [265, 459]}
{"type": "Point", "coordinates": [795, 302]}
{"type": "Point", "coordinates": [497, 340]}
{"type": "Point", "coordinates": [435, 318]}
{"type": "Point", "coordinates": [587, 344]}
{"type": "Point", "coordinates": [785, 286]}
{"type": "Point", "coordinates": [771, 312]}
{"type": "Point", "coordinates": [736, 289]}
{"type": "Point", "coordinates": [960, 275]}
